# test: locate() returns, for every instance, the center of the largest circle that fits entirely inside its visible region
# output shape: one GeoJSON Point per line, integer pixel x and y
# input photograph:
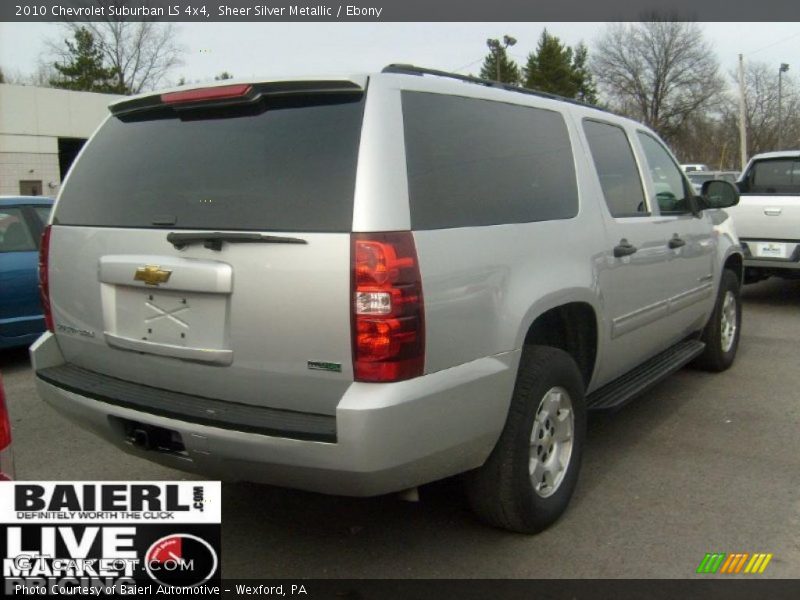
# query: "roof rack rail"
{"type": "Point", "coordinates": [405, 69]}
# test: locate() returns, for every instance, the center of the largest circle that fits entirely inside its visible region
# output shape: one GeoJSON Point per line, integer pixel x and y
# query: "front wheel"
{"type": "Point", "coordinates": [721, 334]}
{"type": "Point", "coordinates": [528, 480]}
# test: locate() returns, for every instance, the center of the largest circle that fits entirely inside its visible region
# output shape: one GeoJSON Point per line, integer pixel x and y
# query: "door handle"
{"type": "Point", "coordinates": [773, 212]}
{"type": "Point", "coordinates": [676, 242]}
{"type": "Point", "coordinates": [624, 248]}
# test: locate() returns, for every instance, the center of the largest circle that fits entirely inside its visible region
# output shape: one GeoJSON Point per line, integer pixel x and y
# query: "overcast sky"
{"type": "Point", "coordinates": [278, 49]}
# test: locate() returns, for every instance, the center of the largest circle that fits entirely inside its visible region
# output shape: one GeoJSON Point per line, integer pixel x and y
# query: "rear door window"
{"type": "Point", "coordinates": [288, 167]}
{"type": "Point", "coordinates": [616, 169]}
{"type": "Point", "coordinates": [15, 235]}
{"type": "Point", "coordinates": [474, 162]}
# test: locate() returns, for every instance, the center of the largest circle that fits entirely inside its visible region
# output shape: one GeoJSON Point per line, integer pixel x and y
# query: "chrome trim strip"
{"type": "Point", "coordinates": [207, 355]}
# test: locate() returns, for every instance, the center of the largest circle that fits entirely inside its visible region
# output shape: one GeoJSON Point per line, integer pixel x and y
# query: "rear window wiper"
{"type": "Point", "coordinates": [213, 239]}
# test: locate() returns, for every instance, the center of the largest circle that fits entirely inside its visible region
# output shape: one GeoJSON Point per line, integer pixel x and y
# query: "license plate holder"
{"type": "Point", "coordinates": [771, 250]}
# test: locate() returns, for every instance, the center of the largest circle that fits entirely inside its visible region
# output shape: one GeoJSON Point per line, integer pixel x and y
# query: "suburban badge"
{"type": "Point", "coordinates": [152, 275]}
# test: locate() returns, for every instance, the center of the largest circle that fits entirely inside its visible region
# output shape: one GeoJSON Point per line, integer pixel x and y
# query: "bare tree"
{"type": "Point", "coordinates": [761, 109]}
{"type": "Point", "coordinates": [40, 77]}
{"type": "Point", "coordinates": [658, 72]}
{"type": "Point", "coordinates": [142, 53]}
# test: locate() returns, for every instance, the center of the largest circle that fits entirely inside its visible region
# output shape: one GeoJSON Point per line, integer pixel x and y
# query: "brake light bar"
{"type": "Point", "coordinates": [223, 92]}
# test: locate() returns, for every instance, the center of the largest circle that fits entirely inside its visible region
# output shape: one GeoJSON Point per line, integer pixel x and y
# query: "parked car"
{"type": "Point", "coordinates": [698, 178]}
{"type": "Point", "coordinates": [768, 217]}
{"type": "Point", "coordinates": [386, 280]}
{"type": "Point", "coordinates": [22, 219]}
{"type": "Point", "coordinates": [694, 167]}
{"type": "Point", "coordinates": [6, 452]}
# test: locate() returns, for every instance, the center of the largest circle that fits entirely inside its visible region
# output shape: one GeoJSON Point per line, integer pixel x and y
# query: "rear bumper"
{"type": "Point", "coordinates": [388, 437]}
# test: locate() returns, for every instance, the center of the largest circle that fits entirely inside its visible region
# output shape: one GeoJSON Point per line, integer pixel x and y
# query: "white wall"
{"type": "Point", "coordinates": [31, 121]}
{"type": "Point", "coordinates": [28, 110]}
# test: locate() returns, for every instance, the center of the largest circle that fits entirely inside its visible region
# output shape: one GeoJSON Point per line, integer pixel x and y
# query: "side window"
{"type": "Point", "coordinates": [671, 190]}
{"type": "Point", "coordinates": [616, 168]}
{"type": "Point", "coordinates": [14, 233]}
{"type": "Point", "coordinates": [473, 162]}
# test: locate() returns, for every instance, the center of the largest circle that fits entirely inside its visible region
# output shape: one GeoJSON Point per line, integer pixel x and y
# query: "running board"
{"type": "Point", "coordinates": [626, 388]}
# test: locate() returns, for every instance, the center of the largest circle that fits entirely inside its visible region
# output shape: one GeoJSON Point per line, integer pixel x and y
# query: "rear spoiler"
{"type": "Point", "coordinates": [242, 94]}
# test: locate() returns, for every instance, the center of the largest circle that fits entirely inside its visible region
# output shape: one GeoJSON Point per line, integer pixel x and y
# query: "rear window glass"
{"type": "Point", "coordinates": [616, 169]}
{"type": "Point", "coordinates": [699, 177]}
{"type": "Point", "coordinates": [43, 212]}
{"type": "Point", "coordinates": [288, 168]}
{"type": "Point", "coordinates": [476, 162]}
{"type": "Point", "coordinates": [14, 233]}
{"type": "Point", "coordinates": [776, 176]}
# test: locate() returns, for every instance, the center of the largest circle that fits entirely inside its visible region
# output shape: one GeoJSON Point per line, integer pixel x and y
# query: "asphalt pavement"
{"type": "Point", "coordinates": [701, 463]}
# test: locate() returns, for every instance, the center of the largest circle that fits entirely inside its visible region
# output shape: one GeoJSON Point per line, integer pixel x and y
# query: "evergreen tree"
{"type": "Point", "coordinates": [549, 67]}
{"type": "Point", "coordinates": [556, 68]}
{"type": "Point", "coordinates": [83, 70]}
{"type": "Point", "coordinates": [587, 90]}
{"type": "Point", "coordinates": [509, 70]}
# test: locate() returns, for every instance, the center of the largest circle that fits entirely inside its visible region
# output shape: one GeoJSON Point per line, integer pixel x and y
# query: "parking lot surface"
{"type": "Point", "coordinates": [701, 463]}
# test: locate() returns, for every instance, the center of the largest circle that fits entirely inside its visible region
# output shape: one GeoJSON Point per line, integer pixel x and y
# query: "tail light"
{"type": "Point", "coordinates": [388, 316]}
{"type": "Point", "coordinates": [44, 281]}
{"type": "Point", "coordinates": [6, 456]}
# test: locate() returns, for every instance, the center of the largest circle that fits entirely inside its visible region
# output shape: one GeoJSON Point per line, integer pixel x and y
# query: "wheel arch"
{"type": "Point", "coordinates": [572, 326]}
{"type": "Point", "coordinates": [735, 262]}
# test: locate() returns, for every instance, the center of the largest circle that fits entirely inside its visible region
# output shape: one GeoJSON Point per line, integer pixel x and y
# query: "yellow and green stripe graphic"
{"type": "Point", "coordinates": [734, 563]}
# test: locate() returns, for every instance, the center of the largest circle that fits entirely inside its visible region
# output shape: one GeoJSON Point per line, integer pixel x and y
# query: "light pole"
{"type": "Point", "coordinates": [781, 70]}
{"type": "Point", "coordinates": [496, 46]}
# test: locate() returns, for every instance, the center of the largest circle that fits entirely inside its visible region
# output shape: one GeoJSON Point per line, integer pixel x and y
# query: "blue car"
{"type": "Point", "coordinates": [22, 219]}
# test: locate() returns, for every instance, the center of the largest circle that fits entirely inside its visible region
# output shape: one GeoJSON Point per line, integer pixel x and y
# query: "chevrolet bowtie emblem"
{"type": "Point", "coordinates": [152, 275]}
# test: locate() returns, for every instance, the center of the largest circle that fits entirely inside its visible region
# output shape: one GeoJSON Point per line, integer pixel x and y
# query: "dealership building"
{"type": "Point", "coordinates": [41, 132]}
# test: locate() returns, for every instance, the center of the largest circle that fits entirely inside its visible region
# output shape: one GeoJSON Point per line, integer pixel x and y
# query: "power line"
{"type": "Point", "coordinates": [467, 65]}
{"type": "Point", "coordinates": [772, 44]}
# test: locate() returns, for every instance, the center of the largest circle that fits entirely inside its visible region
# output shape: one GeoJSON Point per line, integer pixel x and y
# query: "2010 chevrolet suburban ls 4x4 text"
{"type": "Point", "coordinates": [360, 285]}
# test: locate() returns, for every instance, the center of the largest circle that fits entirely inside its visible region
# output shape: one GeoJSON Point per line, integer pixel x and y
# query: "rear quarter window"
{"type": "Point", "coordinates": [474, 162]}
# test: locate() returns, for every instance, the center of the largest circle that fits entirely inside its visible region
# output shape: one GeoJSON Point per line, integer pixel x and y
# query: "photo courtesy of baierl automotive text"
{"type": "Point", "coordinates": [281, 283]}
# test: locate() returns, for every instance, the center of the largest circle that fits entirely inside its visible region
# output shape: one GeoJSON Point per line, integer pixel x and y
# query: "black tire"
{"type": "Point", "coordinates": [715, 357]}
{"type": "Point", "coordinates": [501, 492]}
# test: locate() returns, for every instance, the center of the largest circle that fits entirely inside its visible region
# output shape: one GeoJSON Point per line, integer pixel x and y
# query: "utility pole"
{"type": "Point", "coordinates": [497, 47]}
{"type": "Point", "coordinates": [783, 68]}
{"type": "Point", "coordinates": [742, 122]}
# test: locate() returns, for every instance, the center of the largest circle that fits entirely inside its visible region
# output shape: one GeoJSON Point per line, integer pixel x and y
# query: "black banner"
{"type": "Point", "coordinates": [244, 11]}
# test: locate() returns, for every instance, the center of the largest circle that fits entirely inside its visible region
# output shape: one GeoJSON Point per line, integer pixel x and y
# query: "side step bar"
{"type": "Point", "coordinates": [626, 388]}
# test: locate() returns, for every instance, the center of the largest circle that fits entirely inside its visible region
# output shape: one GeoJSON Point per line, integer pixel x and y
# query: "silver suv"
{"type": "Point", "coordinates": [360, 285]}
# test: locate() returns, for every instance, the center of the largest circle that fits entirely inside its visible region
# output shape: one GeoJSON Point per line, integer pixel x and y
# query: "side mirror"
{"type": "Point", "coordinates": [719, 194]}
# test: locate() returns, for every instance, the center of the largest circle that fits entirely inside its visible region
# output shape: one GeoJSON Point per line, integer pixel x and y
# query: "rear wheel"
{"type": "Point", "coordinates": [722, 331]}
{"type": "Point", "coordinates": [527, 482]}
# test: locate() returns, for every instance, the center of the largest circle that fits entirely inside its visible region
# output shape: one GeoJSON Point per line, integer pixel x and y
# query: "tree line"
{"type": "Point", "coordinates": [662, 73]}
